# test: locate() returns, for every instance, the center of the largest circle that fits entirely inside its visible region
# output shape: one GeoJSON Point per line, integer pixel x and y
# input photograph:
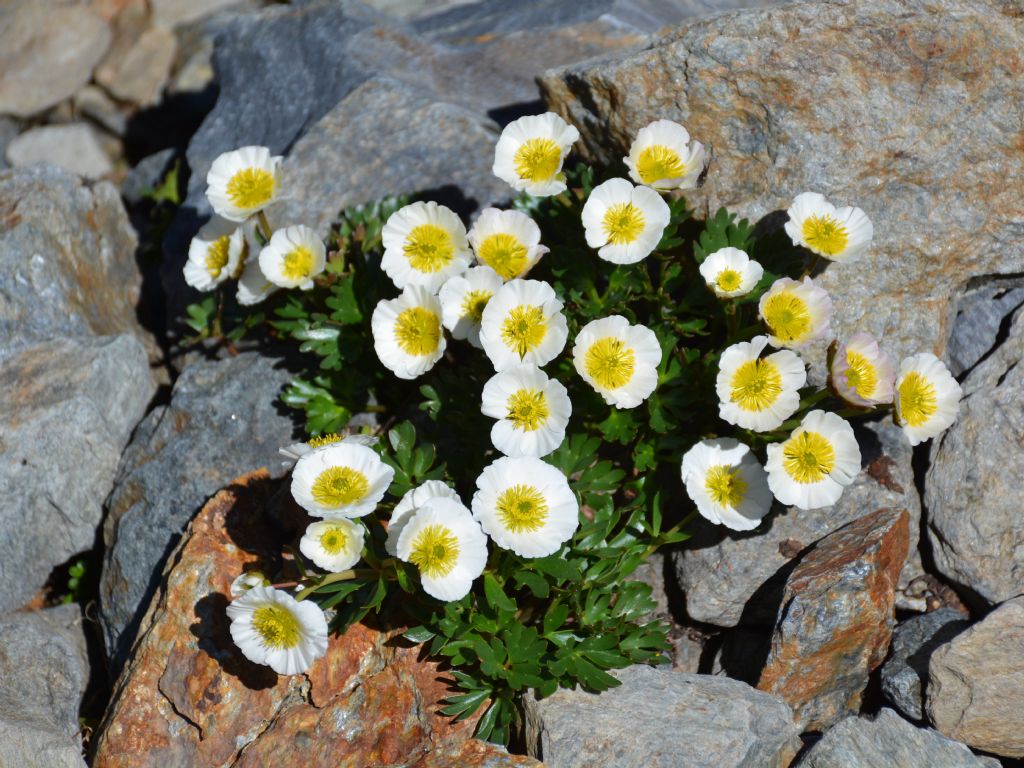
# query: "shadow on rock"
{"type": "Point", "coordinates": [213, 636]}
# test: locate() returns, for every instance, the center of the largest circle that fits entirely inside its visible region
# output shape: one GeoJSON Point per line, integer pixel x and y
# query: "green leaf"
{"type": "Point", "coordinates": [496, 596]}
{"type": "Point", "coordinates": [419, 634]}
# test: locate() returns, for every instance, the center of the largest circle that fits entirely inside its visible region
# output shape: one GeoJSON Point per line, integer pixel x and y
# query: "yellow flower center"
{"type": "Point", "coordinates": [251, 188]}
{"type": "Point", "coordinates": [861, 376]}
{"type": "Point", "coordinates": [623, 222]}
{"type": "Point", "coordinates": [729, 280]}
{"type": "Point", "coordinates": [610, 363]}
{"type": "Point", "coordinates": [298, 263]}
{"type": "Point", "coordinates": [338, 486]}
{"type": "Point", "coordinates": [808, 457]}
{"type": "Point", "coordinates": [322, 440]}
{"type": "Point", "coordinates": [756, 384]}
{"type": "Point", "coordinates": [658, 162]}
{"type": "Point", "coordinates": [917, 399]}
{"type": "Point", "coordinates": [725, 486]}
{"type": "Point", "coordinates": [418, 331]}
{"type": "Point", "coordinates": [825, 235]}
{"type": "Point", "coordinates": [217, 255]}
{"type": "Point", "coordinates": [522, 508]}
{"type": "Point", "coordinates": [435, 551]}
{"type": "Point", "coordinates": [429, 248]}
{"type": "Point", "coordinates": [787, 316]}
{"type": "Point", "coordinates": [528, 409]}
{"type": "Point", "coordinates": [504, 254]}
{"type": "Point", "coordinates": [474, 303]}
{"type": "Point", "coordinates": [538, 160]}
{"type": "Point", "coordinates": [334, 540]}
{"type": "Point", "coordinates": [524, 328]}
{"type": "Point", "coordinates": [277, 626]}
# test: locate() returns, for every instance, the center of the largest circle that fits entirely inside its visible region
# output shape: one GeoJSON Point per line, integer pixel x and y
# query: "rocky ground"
{"type": "Point", "coordinates": [886, 631]}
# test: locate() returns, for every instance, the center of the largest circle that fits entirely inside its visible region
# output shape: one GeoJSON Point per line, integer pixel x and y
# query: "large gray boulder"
{"type": "Point", "coordinates": [662, 719]}
{"type": "Point", "coordinates": [67, 409]}
{"type": "Point", "coordinates": [223, 420]}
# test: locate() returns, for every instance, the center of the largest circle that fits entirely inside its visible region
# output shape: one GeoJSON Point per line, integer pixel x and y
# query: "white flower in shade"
{"type": "Point", "coordinates": [662, 157]}
{"type": "Point", "coordinates": [506, 241]}
{"type": "Point", "coordinates": [927, 397]}
{"type": "Point", "coordinates": [296, 451]}
{"type": "Point", "coordinates": [334, 545]}
{"type": "Point", "coordinates": [727, 483]}
{"type": "Point", "coordinates": [526, 505]}
{"type": "Point", "coordinates": [271, 627]}
{"type": "Point", "coordinates": [246, 581]}
{"type": "Point", "coordinates": [523, 323]}
{"type": "Point", "coordinates": [216, 253]}
{"type": "Point", "coordinates": [447, 546]}
{"type": "Point", "coordinates": [343, 479]}
{"type": "Point", "coordinates": [795, 314]}
{"type": "Point", "coordinates": [463, 299]}
{"type": "Point", "coordinates": [424, 244]}
{"type": "Point", "coordinates": [620, 361]}
{"type": "Point", "coordinates": [861, 373]}
{"type": "Point", "coordinates": [410, 505]}
{"type": "Point", "coordinates": [839, 234]}
{"type": "Point", "coordinates": [407, 334]}
{"type": "Point", "coordinates": [758, 393]}
{"type": "Point", "coordinates": [253, 286]}
{"type": "Point", "coordinates": [532, 411]}
{"type": "Point", "coordinates": [625, 223]}
{"type": "Point", "coordinates": [810, 469]}
{"type": "Point", "coordinates": [243, 182]}
{"type": "Point", "coordinates": [530, 153]}
{"type": "Point", "coordinates": [293, 257]}
{"type": "Point", "coordinates": [729, 272]}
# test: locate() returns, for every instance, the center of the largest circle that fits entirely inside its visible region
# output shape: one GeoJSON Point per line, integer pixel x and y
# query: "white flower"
{"type": "Point", "coordinates": [253, 286]}
{"type": "Point", "coordinates": [424, 244]}
{"type": "Point", "coordinates": [523, 323]}
{"type": "Point", "coordinates": [293, 257]}
{"type": "Point", "coordinates": [463, 299]}
{"type": "Point", "coordinates": [861, 373]}
{"type": "Point", "coordinates": [729, 272]}
{"type": "Point", "coordinates": [927, 397]}
{"type": "Point", "coordinates": [842, 234]}
{"type": "Point", "coordinates": [810, 469]}
{"type": "Point", "coordinates": [444, 541]}
{"type": "Point", "coordinates": [243, 182]}
{"type": "Point", "coordinates": [506, 241]}
{"type": "Point", "coordinates": [246, 581]}
{"type": "Point", "coordinates": [620, 361]}
{"type": "Point", "coordinates": [625, 223]}
{"type": "Point", "coordinates": [295, 451]}
{"type": "Point", "coordinates": [271, 627]}
{"type": "Point", "coordinates": [727, 483]}
{"type": "Point", "coordinates": [758, 394]}
{"type": "Point", "coordinates": [662, 157]}
{"type": "Point", "coordinates": [410, 505]}
{"type": "Point", "coordinates": [526, 506]}
{"type": "Point", "coordinates": [216, 253]}
{"type": "Point", "coordinates": [343, 479]}
{"type": "Point", "coordinates": [530, 153]}
{"type": "Point", "coordinates": [334, 545]}
{"type": "Point", "coordinates": [795, 314]}
{"type": "Point", "coordinates": [407, 333]}
{"type": "Point", "coordinates": [532, 411]}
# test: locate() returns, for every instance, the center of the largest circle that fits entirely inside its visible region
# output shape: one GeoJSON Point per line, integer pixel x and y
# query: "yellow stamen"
{"type": "Point", "coordinates": [429, 248]}
{"type": "Point", "coordinates": [861, 376]}
{"type": "Point", "coordinates": [338, 486]}
{"type": "Point", "coordinates": [787, 316]}
{"type": "Point", "coordinates": [824, 234]}
{"type": "Point", "coordinates": [522, 508]}
{"type": "Point", "coordinates": [322, 440]}
{"type": "Point", "coordinates": [538, 160]}
{"type": "Point", "coordinates": [756, 384]}
{"type": "Point", "coordinates": [916, 400]}
{"type": "Point", "coordinates": [298, 263]}
{"type": "Point", "coordinates": [435, 551]}
{"type": "Point", "coordinates": [623, 222]}
{"type": "Point", "coordinates": [528, 409]}
{"type": "Point", "coordinates": [658, 162]}
{"type": "Point", "coordinates": [474, 303]}
{"type": "Point", "coordinates": [524, 328]}
{"type": "Point", "coordinates": [725, 486]}
{"type": "Point", "coordinates": [808, 457]}
{"type": "Point", "coordinates": [610, 363]}
{"type": "Point", "coordinates": [729, 280]}
{"type": "Point", "coordinates": [217, 255]}
{"type": "Point", "coordinates": [277, 626]}
{"type": "Point", "coordinates": [334, 540]}
{"type": "Point", "coordinates": [251, 188]}
{"type": "Point", "coordinates": [418, 331]}
{"type": "Point", "coordinates": [504, 254]}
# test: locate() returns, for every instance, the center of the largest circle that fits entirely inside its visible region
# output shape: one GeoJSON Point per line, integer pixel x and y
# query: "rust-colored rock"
{"type": "Point", "coordinates": [188, 696]}
{"type": "Point", "coordinates": [836, 619]}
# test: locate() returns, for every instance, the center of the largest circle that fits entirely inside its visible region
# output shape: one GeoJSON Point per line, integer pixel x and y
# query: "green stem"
{"type": "Point", "coordinates": [812, 400]}
{"type": "Point", "coordinates": [652, 548]}
{"type": "Point", "coordinates": [732, 322]}
{"type": "Point", "coordinates": [265, 225]}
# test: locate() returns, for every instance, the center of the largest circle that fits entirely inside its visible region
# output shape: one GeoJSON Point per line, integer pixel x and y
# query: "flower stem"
{"type": "Point", "coordinates": [265, 225]}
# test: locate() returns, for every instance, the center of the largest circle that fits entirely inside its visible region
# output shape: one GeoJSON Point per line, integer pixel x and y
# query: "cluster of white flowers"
{"type": "Point", "coordinates": [758, 392]}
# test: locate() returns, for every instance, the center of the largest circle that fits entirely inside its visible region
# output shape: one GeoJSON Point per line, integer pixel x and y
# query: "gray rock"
{"type": "Point", "coordinates": [138, 71]}
{"type": "Point", "coordinates": [889, 740]}
{"type": "Point", "coordinates": [73, 147]}
{"type": "Point", "coordinates": [92, 102]}
{"type": "Point", "coordinates": [48, 49]}
{"type": "Point", "coordinates": [9, 128]}
{"type": "Point", "coordinates": [24, 746]}
{"type": "Point", "coordinates": [905, 672]}
{"type": "Point", "coordinates": [976, 683]}
{"type": "Point", "coordinates": [732, 578]}
{"type": "Point", "coordinates": [662, 719]}
{"type": "Point", "coordinates": [982, 316]}
{"type": "Point", "coordinates": [67, 260]}
{"type": "Point", "coordinates": [972, 486]}
{"type": "Point", "coordinates": [173, 13]}
{"type": "Point", "coordinates": [147, 175]}
{"type": "Point", "coordinates": [223, 420]}
{"type": "Point", "coordinates": [68, 408]}
{"type": "Point", "coordinates": [899, 122]}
